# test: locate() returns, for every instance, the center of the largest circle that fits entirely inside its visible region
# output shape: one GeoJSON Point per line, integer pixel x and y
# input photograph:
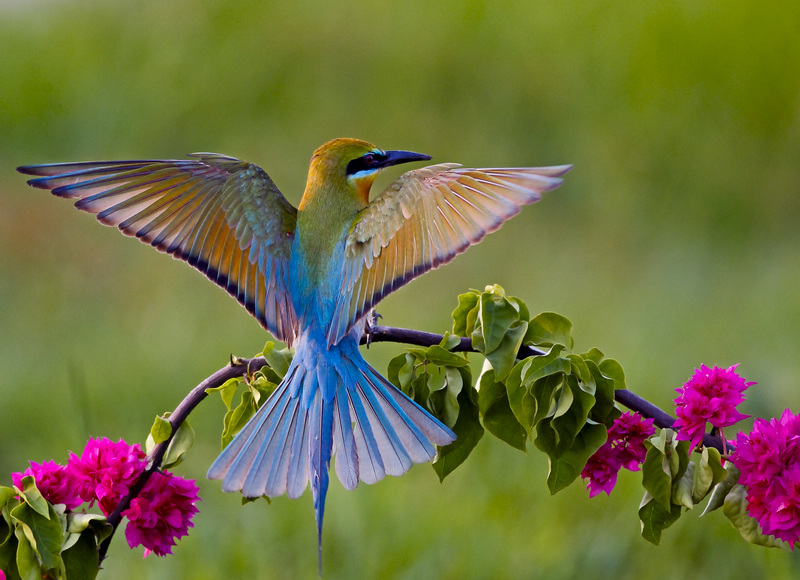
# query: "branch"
{"type": "Point", "coordinates": [628, 398]}
{"type": "Point", "coordinates": [240, 367]}
{"type": "Point", "coordinates": [237, 368]}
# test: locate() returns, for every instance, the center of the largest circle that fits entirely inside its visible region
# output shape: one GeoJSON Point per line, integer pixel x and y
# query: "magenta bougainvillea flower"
{"type": "Point", "coordinates": [710, 395]}
{"type": "Point", "coordinates": [105, 471]}
{"type": "Point", "coordinates": [601, 471]}
{"type": "Point", "coordinates": [52, 482]}
{"type": "Point", "coordinates": [623, 448]}
{"type": "Point", "coordinates": [769, 461]}
{"type": "Point", "coordinates": [161, 513]}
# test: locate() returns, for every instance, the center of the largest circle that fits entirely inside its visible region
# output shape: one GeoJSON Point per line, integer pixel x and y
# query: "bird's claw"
{"type": "Point", "coordinates": [371, 324]}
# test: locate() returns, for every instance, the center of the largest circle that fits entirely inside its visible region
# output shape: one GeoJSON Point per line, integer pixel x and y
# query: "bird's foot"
{"type": "Point", "coordinates": [372, 323]}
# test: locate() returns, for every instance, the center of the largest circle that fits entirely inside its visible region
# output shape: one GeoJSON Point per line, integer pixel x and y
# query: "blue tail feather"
{"type": "Point", "coordinates": [298, 466]}
{"type": "Point", "coordinates": [330, 402]}
{"type": "Point", "coordinates": [395, 458]}
{"type": "Point", "coordinates": [344, 445]}
{"type": "Point", "coordinates": [319, 450]}
{"type": "Point", "coordinates": [255, 482]}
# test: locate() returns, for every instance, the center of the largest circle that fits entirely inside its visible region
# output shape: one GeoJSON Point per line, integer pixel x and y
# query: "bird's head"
{"type": "Point", "coordinates": [351, 165]}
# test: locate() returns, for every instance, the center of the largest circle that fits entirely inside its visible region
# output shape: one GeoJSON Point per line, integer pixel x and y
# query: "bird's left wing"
{"type": "Point", "coordinates": [423, 220]}
{"type": "Point", "coordinates": [223, 216]}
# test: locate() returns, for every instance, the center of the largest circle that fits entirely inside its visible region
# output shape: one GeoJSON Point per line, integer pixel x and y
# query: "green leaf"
{"type": "Point", "coordinates": [449, 341]}
{"type": "Point", "coordinates": [226, 390]}
{"type": "Point", "coordinates": [78, 522]}
{"type": "Point", "coordinates": [247, 500]}
{"type": "Point", "coordinates": [161, 430]}
{"type": "Point", "coordinates": [702, 478]}
{"type": "Point", "coordinates": [8, 552]}
{"type": "Point", "coordinates": [30, 495]}
{"type": "Point", "coordinates": [261, 388]}
{"type": "Point", "coordinates": [715, 461]}
{"type": "Point", "coordinates": [548, 329]}
{"type": "Point", "coordinates": [496, 317]}
{"type": "Point", "coordinates": [567, 461]}
{"type": "Point", "coordinates": [722, 489]}
{"type": "Point", "coordinates": [570, 423]}
{"type": "Point", "coordinates": [467, 303]}
{"type": "Point", "coordinates": [278, 360]}
{"type": "Point", "coordinates": [655, 518]}
{"type": "Point", "coordinates": [679, 458]}
{"type": "Point", "coordinates": [544, 391]}
{"type": "Point", "coordinates": [27, 563]}
{"type": "Point", "coordinates": [613, 370]}
{"type": "Point", "coordinates": [682, 488]}
{"type": "Point", "coordinates": [735, 509]}
{"type": "Point", "coordinates": [496, 412]}
{"type": "Point", "coordinates": [521, 307]}
{"type": "Point", "coordinates": [504, 356]}
{"type": "Point", "coordinates": [443, 358]}
{"type": "Point", "coordinates": [7, 494]}
{"type": "Point", "coordinates": [521, 402]}
{"type": "Point", "coordinates": [268, 375]}
{"type": "Point", "coordinates": [81, 561]}
{"type": "Point", "coordinates": [102, 529]}
{"type": "Point", "coordinates": [444, 385]}
{"type": "Point", "coordinates": [595, 354]}
{"type": "Point", "coordinates": [531, 385]}
{"type": "Point", "coordinates": [468, 432]}
{"type": "Point", "coordinates": [44, 533]}
{"type": "Point", "coordinates": [604, 409]}
{"type": "Point", "coordinates": [580, 369]}
{"type": "Point", "coordinates": [659, 441]}
{"type": "Point", "coordinates": [550, 363]}
{"type": "Point", "coordinates": [393, 371]}
{"type": "Point", "coordinates": [656, 476]}
{"type": "Point", "coordinates": [237, 418]}
{"type": "Point", "coordinates": [709, 472]}
{"type": "Point", "coordinates": [180, 444]}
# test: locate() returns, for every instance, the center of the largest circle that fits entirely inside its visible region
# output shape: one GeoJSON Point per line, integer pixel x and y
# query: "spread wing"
{"type": "Point", "coordinates": [423, 220]}
{"type": "Point", "coordinates": [223, 216]}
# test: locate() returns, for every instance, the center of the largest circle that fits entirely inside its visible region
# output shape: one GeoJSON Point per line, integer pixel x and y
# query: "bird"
{"type": "Point", "coordinates": [310, 275]}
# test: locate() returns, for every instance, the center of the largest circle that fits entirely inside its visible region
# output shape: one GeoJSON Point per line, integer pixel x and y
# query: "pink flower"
{"type": "Point", "coordinates": [53, 483]}
{"type": "Point", "coordinates": [623, 448]}
{"type": "Point", "coordinates": [601, 470]}
{"type": "Point", "coordinates": [161, 513]}
{"type": "Point", "coordinates": [769, 461]}
{"type": "Point", "coordinates": [105, 471]}
{"type": "Point", "coordinates": [709, 395]}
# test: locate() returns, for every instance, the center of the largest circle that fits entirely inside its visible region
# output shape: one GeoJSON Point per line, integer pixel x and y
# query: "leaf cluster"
{"type": "Point", "coordinates": [42, 540]}
{"type": "Point", "coordinates": [562, 401]}
{"type": "Point", "coordinates": [674, 482]}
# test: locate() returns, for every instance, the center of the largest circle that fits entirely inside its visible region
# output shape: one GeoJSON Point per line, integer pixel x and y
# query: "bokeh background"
{"type": "Point", "coordinates": [674, 242]}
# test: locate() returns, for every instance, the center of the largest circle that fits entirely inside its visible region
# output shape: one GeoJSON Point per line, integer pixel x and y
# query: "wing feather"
{"type": "Point", "coordinates": [423, 220]}
{"type": "Point", "coordinates": [221, 215]}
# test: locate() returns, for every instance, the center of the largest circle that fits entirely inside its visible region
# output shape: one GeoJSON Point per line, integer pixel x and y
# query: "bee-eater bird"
{"type": "Point", "coordinates": [310, 276]}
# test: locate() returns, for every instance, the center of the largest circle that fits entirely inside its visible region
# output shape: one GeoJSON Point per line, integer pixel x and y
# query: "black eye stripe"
{"type": "Point", "coordinates": [368, 161]}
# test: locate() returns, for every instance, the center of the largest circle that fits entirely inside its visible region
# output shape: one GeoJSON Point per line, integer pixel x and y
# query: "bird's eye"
{"type": "Point", "coordinates": [367, 162]}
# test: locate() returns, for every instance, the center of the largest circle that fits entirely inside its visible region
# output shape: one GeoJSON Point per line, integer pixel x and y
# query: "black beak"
{"type": "Point", "coordinates": [376, 160]}
{"type": "Point", "coordinates": [398, 157]}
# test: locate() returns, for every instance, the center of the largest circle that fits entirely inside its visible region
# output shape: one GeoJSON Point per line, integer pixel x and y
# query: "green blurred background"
{"type": "Point", "coordinates": [673, 243]}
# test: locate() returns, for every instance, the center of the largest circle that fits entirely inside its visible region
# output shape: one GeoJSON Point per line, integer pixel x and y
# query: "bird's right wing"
{"type": "Point", "coordinates": [423, 220]}
{"type": "Point", "coordinates": [223, 216]}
